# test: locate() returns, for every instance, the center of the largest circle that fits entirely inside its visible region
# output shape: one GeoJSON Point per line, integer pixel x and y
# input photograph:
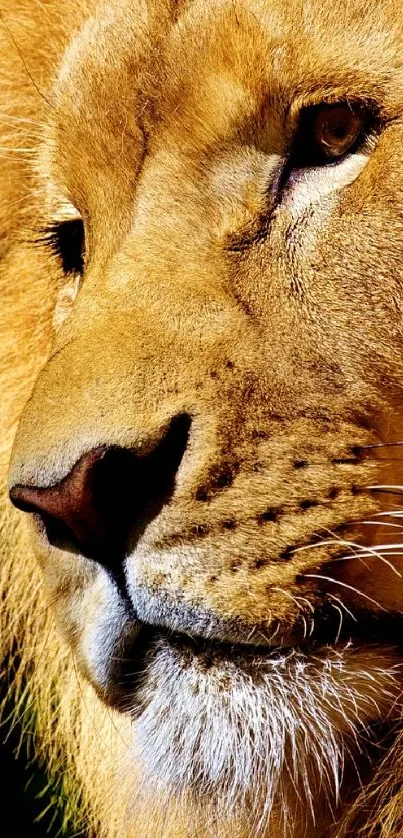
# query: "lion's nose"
{"type": "Point", "coordinates": [104, 504]}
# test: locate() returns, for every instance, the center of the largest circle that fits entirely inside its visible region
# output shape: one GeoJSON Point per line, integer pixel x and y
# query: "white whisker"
{"type": "Point", "coordinates": [336, 608]}
{"type": "Point", "coordinates": [345, 585]}
{"type": "Point", "coordinates": [385, 487]}
{"type": "Point", "coordinates": [342, 605]}
{"type": "Point", "coordinates": [296, 599]}
{"type": "Point", "coordinates": [395, 513]}
{"type": "Point", "coordinates": [381, 523]}
{"type": "Point", "coordinates": [368, 555]}
{"type": "Point", "coordinates": [360, 552]}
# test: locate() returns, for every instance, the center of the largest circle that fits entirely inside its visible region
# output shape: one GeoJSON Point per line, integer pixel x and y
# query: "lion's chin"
{"type": "Point", "coordinates": [247, 729]}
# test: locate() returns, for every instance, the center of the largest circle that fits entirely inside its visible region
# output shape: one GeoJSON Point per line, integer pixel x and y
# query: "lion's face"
{"type": "Point", "coordinates": [203, 447]}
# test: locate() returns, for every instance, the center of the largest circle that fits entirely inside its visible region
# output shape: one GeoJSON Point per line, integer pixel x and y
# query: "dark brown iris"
{"type": "Point", "coordinates": [336, 129]}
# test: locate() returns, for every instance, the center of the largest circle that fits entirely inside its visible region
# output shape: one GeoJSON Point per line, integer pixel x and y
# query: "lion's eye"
{"type": "Point", "coordinates": [336, 130]}
{"type": "Point", "coordinates": [328, 132]}
{"type": "Point", "coordinates": [67, 240]}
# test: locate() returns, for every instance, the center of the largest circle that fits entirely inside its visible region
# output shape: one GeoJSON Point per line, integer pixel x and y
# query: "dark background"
{"type": "Point", "coordinates": [22, 784]}
{"type": "Point", "coordinates": [28, 800]}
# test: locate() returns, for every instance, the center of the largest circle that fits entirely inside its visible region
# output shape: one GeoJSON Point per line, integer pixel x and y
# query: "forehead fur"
{"type": "Point", "coordinates": [195, 77]}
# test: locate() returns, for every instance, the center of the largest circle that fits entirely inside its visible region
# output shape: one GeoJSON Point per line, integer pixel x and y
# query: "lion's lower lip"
{"type": "Point", "coordinates": [126, 683]}
{"type": "Point", "coordinates": [124, 686]}
{"type": "Point", "coordinates": [129, 670]}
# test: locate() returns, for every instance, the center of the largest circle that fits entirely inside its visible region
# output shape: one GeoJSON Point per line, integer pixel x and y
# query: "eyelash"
{"type": "Point", "coordinates": [66, 239]}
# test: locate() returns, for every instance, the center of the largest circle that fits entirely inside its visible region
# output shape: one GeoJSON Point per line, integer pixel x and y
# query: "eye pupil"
{"type": "Point", "coordinates": [340, 132]}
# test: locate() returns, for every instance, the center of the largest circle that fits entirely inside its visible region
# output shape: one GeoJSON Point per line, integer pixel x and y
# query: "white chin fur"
{"type": "Point", "coordinates": [253, 740]}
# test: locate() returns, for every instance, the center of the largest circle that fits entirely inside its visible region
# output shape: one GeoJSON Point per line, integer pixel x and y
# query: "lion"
{"type": "Point", "coordinates": [201, 241]}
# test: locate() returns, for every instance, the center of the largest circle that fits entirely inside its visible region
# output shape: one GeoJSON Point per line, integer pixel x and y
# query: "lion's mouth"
{"type": "Point", "coordinates": [131, 674]}
{"type": "Point", "coordinates": [204, 641]}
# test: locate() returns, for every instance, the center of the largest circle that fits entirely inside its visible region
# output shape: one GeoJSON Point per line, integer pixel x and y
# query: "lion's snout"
{"type": "Point", "coordinates": [133, 464]}
{"type": "Point", "coordinates": [176, 465]}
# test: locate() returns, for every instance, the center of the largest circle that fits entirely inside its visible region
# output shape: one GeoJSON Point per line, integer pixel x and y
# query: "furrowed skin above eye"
{"type": "Point", "coordinates": [67, 240]}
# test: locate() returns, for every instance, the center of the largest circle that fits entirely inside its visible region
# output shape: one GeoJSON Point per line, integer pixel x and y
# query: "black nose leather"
{"type": "Point", "coordinates": [109, 496]}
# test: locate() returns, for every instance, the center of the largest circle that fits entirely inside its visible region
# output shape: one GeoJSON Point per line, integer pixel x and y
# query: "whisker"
{"type": "Point", "coordinates": [381, 523]}
{"type": "Point", "coordinates": [369, 459]}
{"type": "Point", "coordinates": [395, 513]}
{"type": "Point", "coordinates": [336, 608]}
{"type": "Point", "coordinates": [386, 488]}
{"type": "Point", "coordinates": [23, 61]}
{"type": "Point", "coordinates": [16, 149]}
{"type": "Point", "coordinates": [355, 548]}
{"type": "Point", "coordinates": [25, 197]}
{"type": "Point", "coordinates": [395, 546]}
{"type": "Point", "coordinates": [367, 556]}
{"type": "Point", "coordinates": [4, 116]}
{"type": "Point", "coordinates": [344, 585]}
{"type": "Point", "coordinates": [274, 633]}
{"type": "Point", "coordinates": [333, 542]}
{"type": "Point", "coordinates": [364, 551]}
{"type": "Point", "coordinates": [327, 543]}
{"type": "Point", "coordinates": [296, 599]}
{"type": "Point", "coordinates": [379, 445]}
{"type": "Point", "coordinates": [342, 605]}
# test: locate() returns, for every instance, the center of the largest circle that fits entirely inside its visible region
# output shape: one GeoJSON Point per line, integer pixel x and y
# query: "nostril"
{"type": "Point", "coordinates": [68, 509]}
{"type": "Point", "coordinates": [110, 495]}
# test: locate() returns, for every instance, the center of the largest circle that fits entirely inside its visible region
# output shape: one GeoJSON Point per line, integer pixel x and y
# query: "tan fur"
{"type": "Point", "coordinates": [276, 326]}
